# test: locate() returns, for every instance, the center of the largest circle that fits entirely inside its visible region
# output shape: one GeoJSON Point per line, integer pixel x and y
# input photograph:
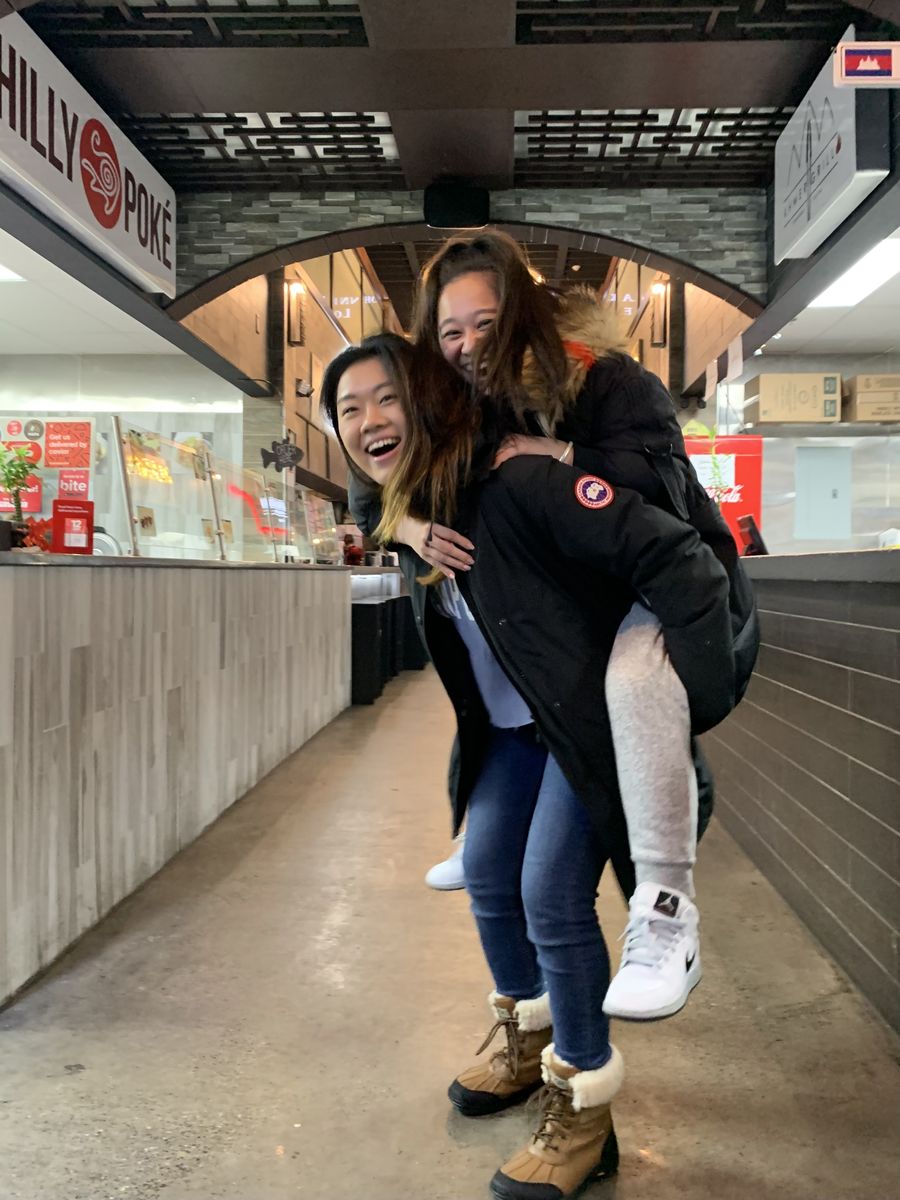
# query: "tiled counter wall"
{"type": "Point", "coordinates": [136, 704]}
{"type": "Point", "coordinates": [807, 769]}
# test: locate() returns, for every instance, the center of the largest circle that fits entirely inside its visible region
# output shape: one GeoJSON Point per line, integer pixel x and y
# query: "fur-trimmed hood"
{"type": "Point", "coordinates": [589, 330]}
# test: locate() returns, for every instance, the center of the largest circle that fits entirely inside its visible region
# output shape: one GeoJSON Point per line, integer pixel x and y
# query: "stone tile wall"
{"type": "Point", "coordinates": [716, 230]}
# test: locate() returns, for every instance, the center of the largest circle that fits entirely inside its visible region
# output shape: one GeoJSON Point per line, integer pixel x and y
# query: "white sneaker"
{"type": "Point", "coordinates": [661, 960]}
{"type": "Point", "coordinates": [448, 876]}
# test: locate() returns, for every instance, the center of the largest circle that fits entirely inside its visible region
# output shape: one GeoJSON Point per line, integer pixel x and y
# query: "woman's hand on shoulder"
{"type": "Point", "coordinates": [519, 443]}
{"type": "Point", "coordinates": [438, 545]}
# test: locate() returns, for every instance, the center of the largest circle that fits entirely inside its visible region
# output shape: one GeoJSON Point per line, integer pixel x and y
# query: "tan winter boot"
{"type": "Point", "coordinates": [514, 1072]}
{"type": "Point", "coordinates": [575, 1142]}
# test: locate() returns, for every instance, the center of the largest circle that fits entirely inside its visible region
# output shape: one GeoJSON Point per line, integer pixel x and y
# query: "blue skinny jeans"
{"type": "Point", "coordinates": [533, 862]}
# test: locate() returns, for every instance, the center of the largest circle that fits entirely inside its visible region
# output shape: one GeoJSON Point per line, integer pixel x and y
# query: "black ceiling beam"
{"type": "Point", "coordinates": [639, 76]}
{"type": "Point", "coordinates": [421, 24]}
{"type": "Point", "coordinates": [473, 144]}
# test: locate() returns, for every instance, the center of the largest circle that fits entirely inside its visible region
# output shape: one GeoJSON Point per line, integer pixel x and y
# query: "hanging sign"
{"type": "Point", "coordinates": [61, 152]}
{"type": "Point", "coordinates": [867, 64]}
{"type": "Point", "coordinates": [730, 468]}
{"type": "Point", "coordinates": [283, 455]}
{"type": "Point", "coordinates": [831, 154]}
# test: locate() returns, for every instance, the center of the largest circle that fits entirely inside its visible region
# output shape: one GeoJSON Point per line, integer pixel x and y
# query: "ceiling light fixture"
{"type": "Point", "coordinates": [7, 276]}
{"type": "Point", "coordinates": [658, 288]}
{"type": "Point", "coordinates": [874, 269]}
{"type": "Point", "coordinates": [576, 266]}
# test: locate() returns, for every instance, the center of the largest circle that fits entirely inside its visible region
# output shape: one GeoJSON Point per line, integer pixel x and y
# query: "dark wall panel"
{"type": "Point", "coordinates": [808, 769]}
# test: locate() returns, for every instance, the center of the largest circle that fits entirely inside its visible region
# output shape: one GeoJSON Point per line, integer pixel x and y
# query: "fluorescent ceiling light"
{"type": "Point", "coordinates": [873, 269]}
{"type": "Point", "coordinates": [7, 276]}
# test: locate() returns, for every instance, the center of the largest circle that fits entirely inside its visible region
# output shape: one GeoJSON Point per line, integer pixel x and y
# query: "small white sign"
{"type": "Point", "coordinates": [63, 154]}
{"type": "Point", "coordinates": [818, 180]}
{"type": "Point", "coordinates": [712, 379]}
{"type": "Point", "coordinates": [735, 358]}
{"type": "Point", "coordinates": [867, 64]}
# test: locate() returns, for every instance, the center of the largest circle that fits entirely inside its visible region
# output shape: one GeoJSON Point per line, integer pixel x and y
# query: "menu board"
{"type": "Point", "coordinates": [62, 449]}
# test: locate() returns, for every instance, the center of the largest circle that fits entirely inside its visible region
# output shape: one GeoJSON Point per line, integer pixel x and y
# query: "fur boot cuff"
{"type": "Point", "coordinates": [589, 1088]}
{"type": "Point", "coordinates": [531, 1015]}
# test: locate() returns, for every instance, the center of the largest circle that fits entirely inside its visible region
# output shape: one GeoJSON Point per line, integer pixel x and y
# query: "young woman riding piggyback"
{"type": "Point", "coordinates": [553, 366]}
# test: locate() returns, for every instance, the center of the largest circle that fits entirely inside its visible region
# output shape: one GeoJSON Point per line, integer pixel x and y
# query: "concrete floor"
{"type": "Point", "coordinates": [279, 1012]}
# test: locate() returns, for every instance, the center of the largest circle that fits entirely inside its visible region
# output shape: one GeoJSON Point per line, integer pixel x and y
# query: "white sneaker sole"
{"type": "Point", "coordinates": [446, 887]}
{"type": "Point", "coordinates": [691, 979]}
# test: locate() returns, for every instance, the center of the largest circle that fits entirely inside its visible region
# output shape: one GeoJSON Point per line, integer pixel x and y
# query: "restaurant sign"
{"type": "Point", "coordinates": [831, 154]}
{"type": "Point", "coordinates": [61, 152]}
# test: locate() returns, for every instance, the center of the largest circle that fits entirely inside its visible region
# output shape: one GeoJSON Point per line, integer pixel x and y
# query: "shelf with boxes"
{"type": "Point", "coordinates": [863, 404]}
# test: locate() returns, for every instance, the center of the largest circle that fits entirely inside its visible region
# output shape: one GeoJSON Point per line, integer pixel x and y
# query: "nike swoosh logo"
{"type": "Point", "coordinates": [690, 961]}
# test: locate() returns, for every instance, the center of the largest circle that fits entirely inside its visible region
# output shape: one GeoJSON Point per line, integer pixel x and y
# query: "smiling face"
{"type": "Point", "coordinates": [467, 308]}
{"type": "Point", "coordinates": [371, 419]}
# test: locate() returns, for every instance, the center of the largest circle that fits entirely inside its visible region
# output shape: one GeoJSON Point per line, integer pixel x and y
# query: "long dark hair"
{"type": "Point", "coordinates": [441, 425]}
{"type": "Point", "coordinates": [525, 323]}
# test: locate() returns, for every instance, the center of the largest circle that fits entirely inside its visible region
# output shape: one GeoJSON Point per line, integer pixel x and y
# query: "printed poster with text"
{"type": "Point", "coordinates": [730, 468]}
{"type": "Point", "coordinates": [62, 450]}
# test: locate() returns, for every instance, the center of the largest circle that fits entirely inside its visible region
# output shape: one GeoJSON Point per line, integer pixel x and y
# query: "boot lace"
{"type": "Point", "coordinates": [555, 1114]}
{"type": "Point", "coordinates": [649, 938]}
{"type": "Point", "coordinates": [511, 1053]}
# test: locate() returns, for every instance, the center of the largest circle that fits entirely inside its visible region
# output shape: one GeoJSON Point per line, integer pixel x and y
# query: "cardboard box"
{"type": "Point", "coordinates": [799, 399]}
{"type": "Point", "coordinates": [872, 398]}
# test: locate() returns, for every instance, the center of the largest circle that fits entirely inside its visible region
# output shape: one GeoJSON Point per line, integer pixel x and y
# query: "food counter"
{"type": "Point", "coordinates": [139, 698]}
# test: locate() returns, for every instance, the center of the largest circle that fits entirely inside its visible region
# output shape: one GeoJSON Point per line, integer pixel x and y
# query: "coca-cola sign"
{"type": "Point", "coordinates": [60, 150]}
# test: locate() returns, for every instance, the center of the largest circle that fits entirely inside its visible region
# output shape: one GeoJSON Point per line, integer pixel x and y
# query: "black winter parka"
{"type": "Point", "coordinates": [560, 557]}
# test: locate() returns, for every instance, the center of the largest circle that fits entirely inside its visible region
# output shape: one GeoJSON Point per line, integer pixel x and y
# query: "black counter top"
{"type": "Point", "coordinates": [843, 566]}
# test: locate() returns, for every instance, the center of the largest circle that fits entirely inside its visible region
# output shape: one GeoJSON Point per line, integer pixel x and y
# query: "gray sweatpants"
{"type": "Point", "coordinates": [651, 727]}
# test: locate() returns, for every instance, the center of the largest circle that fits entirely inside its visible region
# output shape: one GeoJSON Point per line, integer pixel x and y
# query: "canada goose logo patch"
{"type": "Point", "coordinates": [593, 492]}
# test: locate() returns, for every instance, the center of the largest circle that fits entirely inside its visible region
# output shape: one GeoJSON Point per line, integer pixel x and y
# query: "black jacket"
{"type": "Point", "coordinates": [624, 428]}
{"type": "Point", "coordinates": [552, 581]}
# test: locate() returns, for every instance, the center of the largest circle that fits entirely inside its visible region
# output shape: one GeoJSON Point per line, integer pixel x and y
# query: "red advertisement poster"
{"type": "Point", "coordinates": [74, 483]}
{"type": "Point", "coordinates": [730, 468]}
{"type": "Point", "coordinates": [31, 498]}
{"type": "Point", "coordinates": [67, 444]}
{"type": "Point", "coordinates": [73, 526]}
{"type": "Point", "coordinates": [35, 450]}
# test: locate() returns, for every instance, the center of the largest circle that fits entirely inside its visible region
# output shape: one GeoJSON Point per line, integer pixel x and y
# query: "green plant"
{"type": "Point", "coordinates": [15, 471]}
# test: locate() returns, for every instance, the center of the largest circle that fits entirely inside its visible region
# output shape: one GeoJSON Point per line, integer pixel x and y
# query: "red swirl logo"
{"type": "Point", "coordinates": [100, 174]}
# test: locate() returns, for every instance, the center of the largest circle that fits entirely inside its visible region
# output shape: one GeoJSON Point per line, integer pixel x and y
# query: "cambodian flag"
{"type": "Point", "coordinates": [868, 63]}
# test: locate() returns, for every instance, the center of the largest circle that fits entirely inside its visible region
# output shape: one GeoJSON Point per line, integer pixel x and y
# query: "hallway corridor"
{"type": "Point", "coordinates": [278, 1014]}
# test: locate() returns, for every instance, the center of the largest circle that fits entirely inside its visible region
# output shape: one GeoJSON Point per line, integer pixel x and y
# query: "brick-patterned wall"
{"type": "Point", "coordinates": [808, 769]}
{"type": "Point", "coordinates": [719, 231]}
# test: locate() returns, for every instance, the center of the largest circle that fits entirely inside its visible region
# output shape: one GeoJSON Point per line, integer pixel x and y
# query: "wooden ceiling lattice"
{"type": "Point", "coordinates": [686, 147]}
{"type": "Point", "coordinates": [564, 22]}
{"type": "Point", "coordinates": [208, 151]}
{"type": "Point", "coordinates": [198, 24]}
